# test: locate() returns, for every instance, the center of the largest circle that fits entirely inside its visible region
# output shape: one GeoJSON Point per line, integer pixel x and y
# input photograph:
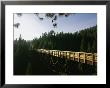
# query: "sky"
{"type": "Point", "coordinates": [32, 27]}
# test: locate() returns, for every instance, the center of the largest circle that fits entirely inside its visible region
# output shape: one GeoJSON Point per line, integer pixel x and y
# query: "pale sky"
{"type": "Point", "coordinates": [31, 27]}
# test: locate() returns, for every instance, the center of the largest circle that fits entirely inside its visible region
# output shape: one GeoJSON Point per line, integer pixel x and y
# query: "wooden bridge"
{"type": "Point", "coordinates": [83, 57]}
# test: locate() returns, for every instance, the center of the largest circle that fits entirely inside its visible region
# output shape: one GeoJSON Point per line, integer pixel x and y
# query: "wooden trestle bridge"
{"type": "Point", "coordinates": [83, 57]}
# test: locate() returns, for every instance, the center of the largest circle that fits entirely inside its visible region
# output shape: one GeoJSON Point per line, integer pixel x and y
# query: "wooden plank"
{"type": "Point", "coordinates": [72, 55]}
{"type": "Point", "coordinates": [95, 57]}
{"type": "Point", "coordinates": [68, 55]}
{"type": "Point", "coordinates": [82, 57]}
{"type": "Point", "coordinates": [77, 56]}
{"type": "Point", "coordinates": [89, 58]}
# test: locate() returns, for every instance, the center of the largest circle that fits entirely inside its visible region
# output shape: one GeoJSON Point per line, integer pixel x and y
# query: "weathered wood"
{"type": "Point", "coordinates": [89, 58]}
{"type": "Point", "coordinates": [83, 57]}
{"type": "Point", "coordinates": [77, 56]}
{"type": "Point", "coordinates": [95, 58]}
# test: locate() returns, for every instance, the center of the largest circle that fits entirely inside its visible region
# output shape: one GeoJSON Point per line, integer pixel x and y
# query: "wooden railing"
{"type": "Point", "coordinates": [83, 57]}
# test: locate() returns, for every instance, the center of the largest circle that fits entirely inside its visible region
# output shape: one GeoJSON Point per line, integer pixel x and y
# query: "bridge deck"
{"type": "Point", "coordinates": [83, 57]}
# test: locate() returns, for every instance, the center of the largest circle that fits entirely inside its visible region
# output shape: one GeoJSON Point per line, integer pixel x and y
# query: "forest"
{"type": "Point", "coordinates": [24, 51]}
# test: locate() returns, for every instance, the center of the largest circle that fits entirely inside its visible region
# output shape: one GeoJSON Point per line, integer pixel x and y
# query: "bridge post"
{"type": "Point", "coordinates": [49, 52]}
{"type": "Point", "coordinates": [84, 57]}
{"type": "Point", "coordinates": [58, 53]}
{"type": "Point", "coordinates": [55, 53]}
{"type": "Point", "coordinates": [63, 54]}
{"type": "Point", "coordinates": [92, 59]}
{"type": "Point", "coordinates": [69, 55]}
{"type": "Point", "coordinates": [52, 53]}
{"type": "Point", "coordinates": [73, 56]}
{"type": "Point", "coordinates": [66, 55]}
{"type": "Point", "coordinates": [78, 57]}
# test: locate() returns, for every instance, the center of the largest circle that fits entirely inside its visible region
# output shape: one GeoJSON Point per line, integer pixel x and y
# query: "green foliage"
{"type": "Point", "coordinates": [21, 50]}
{"type": "Point", "coordinates": [84, 40]}
{"type": "Point", "coordinates": [52, 16]}
{"type": "Point", "coordinates": [28, 61]}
